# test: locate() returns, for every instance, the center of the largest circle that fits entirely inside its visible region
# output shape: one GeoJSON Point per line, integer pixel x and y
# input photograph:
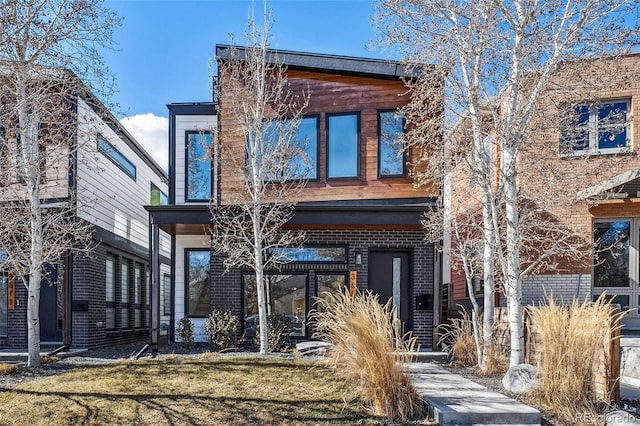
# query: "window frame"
{"type": "Point", "coordinates": [593, 130]}
{"type": "Point", "coordinates": [118, 162]}
{"type": "Point", "coordinates": [187, 199]}
{"type": "Point", "coordinates": [404, 150]}
{"type": "Point", "coordinates": [321, 246]}
{"type": "Point", "coordinates": [328, 117]}
{"type": "Point", "coordinates": [187, 268]}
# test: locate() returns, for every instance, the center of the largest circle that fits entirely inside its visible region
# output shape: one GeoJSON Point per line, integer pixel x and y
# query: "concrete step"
{"type": "Point", "coordinates": [455, 400]}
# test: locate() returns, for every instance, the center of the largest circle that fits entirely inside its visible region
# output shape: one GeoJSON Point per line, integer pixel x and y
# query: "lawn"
{"type": "Point", "coordinates": [188, 391]}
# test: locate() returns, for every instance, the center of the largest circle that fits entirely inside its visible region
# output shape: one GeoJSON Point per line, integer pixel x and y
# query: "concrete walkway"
{"type": "Point", "coordinates": [454, 400]}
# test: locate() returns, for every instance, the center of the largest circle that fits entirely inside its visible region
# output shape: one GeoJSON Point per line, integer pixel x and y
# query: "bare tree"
{"type": "Point", "coordinates": [262, 156]}
{"type": "Point", "coordinates": [500, 57]}
{"type": "Point", "coordinates": [44, 46]}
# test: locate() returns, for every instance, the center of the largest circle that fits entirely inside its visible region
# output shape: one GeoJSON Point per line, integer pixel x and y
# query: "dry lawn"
{"type": "Point", "coordinates": [180, 391]}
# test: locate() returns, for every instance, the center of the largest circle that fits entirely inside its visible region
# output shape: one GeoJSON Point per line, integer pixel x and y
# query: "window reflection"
{"type": "Point", "coordinates": [198, 283]}
{"type": "Point", "coordinates": [342, 145]}
{"type": "Point", "coordinates": [611, 259]}
{"type": "Point", "coordinates": [198, 166]}
{"type": "Point", "coordinates": [391, 159]}
{"type": "Point", "coordinates": [330, 284]}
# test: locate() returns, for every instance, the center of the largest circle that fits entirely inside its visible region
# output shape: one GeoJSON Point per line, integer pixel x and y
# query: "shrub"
{"type": "Point", "coordinates": [573, 339]}
{"type": "Point", "coordinates": [368, 350]}
{"type": "Point", "coordinates": [47, 359]}
{"type": "Point", "coordinates": [185, 332]}
{"type": "Point", "coordinates": [220, 326]}
{"type": "Point", "coordinates": [6, 369]}
{"type": "Point", "coordinates": [278, 332]}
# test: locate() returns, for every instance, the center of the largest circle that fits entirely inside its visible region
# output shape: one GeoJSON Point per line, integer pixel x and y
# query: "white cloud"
{"type": "Point", "coordinates": [152, 133]}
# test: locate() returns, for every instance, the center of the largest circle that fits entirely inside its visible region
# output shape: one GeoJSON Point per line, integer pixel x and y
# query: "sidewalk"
{"type": "Point", "coordinates": [455, 400]}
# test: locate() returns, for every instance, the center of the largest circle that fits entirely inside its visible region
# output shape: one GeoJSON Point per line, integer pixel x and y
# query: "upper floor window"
{"type": "Point", "coordinates": [198, 166]}
{"type": "Point", "coordinates": [158, 198]}
{"type": "Point", "coordinates": [599, 127]}
{"type": "Point", "coordinates": [391, 152]}
{"type": "Point", "coordinates": [343, 145]}
{"type": "Point", "coordinates": [116, 157]}
{"type": "Point", "coordinates": [291, 155]}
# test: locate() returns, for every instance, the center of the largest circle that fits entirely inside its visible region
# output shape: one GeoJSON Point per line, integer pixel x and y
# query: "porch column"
{"type": "Point", "coordinates": [155, 285]}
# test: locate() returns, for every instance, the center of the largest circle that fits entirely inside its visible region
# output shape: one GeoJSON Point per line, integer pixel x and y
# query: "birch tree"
{"type": "Point", "coordinates": [499, 58]}
{"type": "Point", "coordinates": [44, 46]}
{"type": "Point", "coordinates": [262, 156]}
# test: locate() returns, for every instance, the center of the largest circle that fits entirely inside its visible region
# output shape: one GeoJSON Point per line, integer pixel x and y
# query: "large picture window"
{"type": "Point", "coordinates": [611, 258]}
{"type": "Point", "coordinates": [330, 284]}
{"type": "Point", "coordinates": [391, 153]}
{"type": "Point", "coordinates": [198, 167]}
{"type": "Point", "coordinates": [302, 163]}
{"type": "Point", "coordinates": [599, 127]}
{"type": "Point", "coordinates": [343, 146]}
{"type": "Point", "coordinates": [198, 282]}
{"type": "Point", "coordinates": [286, 295]}
{"type": "Point", "coordinates": [310, 254]}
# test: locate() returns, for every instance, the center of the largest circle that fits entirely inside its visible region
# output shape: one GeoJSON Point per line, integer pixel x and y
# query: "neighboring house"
{"type": "Point", "coordinates": [583, 162]}
{"type": "Point", "coordinates": [102, 299]}
{"type": "Point", "coordinates": [359, 209]}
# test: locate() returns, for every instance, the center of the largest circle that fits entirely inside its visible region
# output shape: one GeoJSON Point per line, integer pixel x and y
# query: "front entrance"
{"type": "Point", "coordinates": [51, 303]}
{"type": "Point", "coordinates": [389, 277]}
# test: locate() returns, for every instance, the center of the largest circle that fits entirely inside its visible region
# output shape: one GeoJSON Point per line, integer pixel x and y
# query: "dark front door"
{"type": "Point", "coordinates": [389, 278]}
{"type": "Point", "coordinates": [50, 306]}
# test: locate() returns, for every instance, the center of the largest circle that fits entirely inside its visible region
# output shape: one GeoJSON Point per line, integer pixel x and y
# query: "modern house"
{"type": "Point", "coordinates": [583, 162]}
{"type": "Point", "coordinates": [100, 299]}
{"type": "Point", "coordinates": [359, 209]}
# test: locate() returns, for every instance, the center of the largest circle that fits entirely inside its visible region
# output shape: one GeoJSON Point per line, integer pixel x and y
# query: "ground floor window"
{"type": "Point", "coordinates": [198, 282]}
{"type": "Point", "coordinates": [616, 264]}
{"type": "Point", "coordinates": [286, 294]}
{"type": "Point", "coordinates": [330, 284]}
{"type": "Point", "coordinates": [110, 292]}
{"type": "Point", "coordinates": [3, 305]}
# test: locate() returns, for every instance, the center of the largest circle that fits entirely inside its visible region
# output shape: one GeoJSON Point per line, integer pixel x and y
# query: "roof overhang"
{"type": "Point", "coordinates": [623, 186]}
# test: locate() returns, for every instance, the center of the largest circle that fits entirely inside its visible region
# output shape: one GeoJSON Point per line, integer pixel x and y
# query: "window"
{"type": "Point", "coordinates": [302, 162]}
{"type": "Point", "coordinates": [391, 153]}
{"type": "Point", "coordinates": [146, 296]}
{"type": "Point", "coordinates": [198, 167]}
{"type": "Point", "coordinates": [308, 254]}
{"type": "Point", "coordinates": [158, 198]}
{"type": "Point", "coordinates": [166, 295]}
{"type": "Point", "coordinates": [287, 297]}
{"type": "Point", "coordinates": [343, 145]}
{"type": "Point", "coordinates": [599, 127]}
{"type": "Point", "coordinates": [137, 295]}
{"type": "Point", "coordinates": [4, 158]}
{"type": "Point", "coordinates": [4, 297]}
{"type": "Point", "coordinates": [110, 292]}
{"type": "Point", "coordinates": [330, 284]}
{"type": "Point", "coordinates": [611, 258]}
{"type": "Point", "coordinates": [124, 294]}
{"type": "Point", "coordinates": [198, 283]}
{"type": "Point", "coordinates": [116, 157]}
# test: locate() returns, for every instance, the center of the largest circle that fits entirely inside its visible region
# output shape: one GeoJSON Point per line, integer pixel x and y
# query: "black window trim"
{"type": "Point", "coordinates": [358, 145]}
{"type": "Point", "coordinates": [186, 167]}
{"type": "Point", "coordinates": [404, 151]}
{"type": "Point", "coordinates": [188, 250]}
{"type": "Point", "coordinates": [108, 155]}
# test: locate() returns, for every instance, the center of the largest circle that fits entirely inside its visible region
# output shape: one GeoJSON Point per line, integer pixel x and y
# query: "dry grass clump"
{"type": "Point", "coordinates": [573, 339]}
{"type": "Point", "coordinates": [6, 369]}
{"type": "Point", "coordinates": [369, 350]}
{"type": "Point", "coordinates": [457, 335]}
{"type": "Point", "coordinates": [48, 359]}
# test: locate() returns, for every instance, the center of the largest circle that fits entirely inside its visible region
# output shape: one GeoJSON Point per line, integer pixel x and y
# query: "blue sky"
{"type": "Point", "coordinates": [165, 48]}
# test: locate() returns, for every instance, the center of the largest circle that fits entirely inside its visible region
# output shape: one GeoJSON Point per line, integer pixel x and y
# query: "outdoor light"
{"type": "Point", "coordinates": [358, 258]}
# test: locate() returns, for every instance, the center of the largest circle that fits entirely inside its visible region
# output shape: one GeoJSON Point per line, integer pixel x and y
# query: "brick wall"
{"type": "Point", "coordinates": [227, 288]}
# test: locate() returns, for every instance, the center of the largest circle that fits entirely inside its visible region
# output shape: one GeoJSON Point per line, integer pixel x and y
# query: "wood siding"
{"type": "Point", "coordinates": [329, 94]}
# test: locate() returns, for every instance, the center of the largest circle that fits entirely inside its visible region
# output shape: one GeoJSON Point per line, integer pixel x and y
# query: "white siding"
{"type": "Point", "coordinates": [186, 123]}
{"type": "Point", "coordinates": [182, 243]}
{"type": "Point", "coordinates": [113, 200]}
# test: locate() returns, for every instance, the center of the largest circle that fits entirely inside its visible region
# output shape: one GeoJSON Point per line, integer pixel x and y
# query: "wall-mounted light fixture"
{"type": "Point", "coordinates": [358, 258]}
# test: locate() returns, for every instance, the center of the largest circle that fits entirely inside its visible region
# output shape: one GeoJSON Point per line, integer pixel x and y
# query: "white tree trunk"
{"type": "Point", "coordinates": [260, 288]}
{"type": "Point", "coordinates": [512, 257]}
{"type": "Point", "coordinates": [488, 276]}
